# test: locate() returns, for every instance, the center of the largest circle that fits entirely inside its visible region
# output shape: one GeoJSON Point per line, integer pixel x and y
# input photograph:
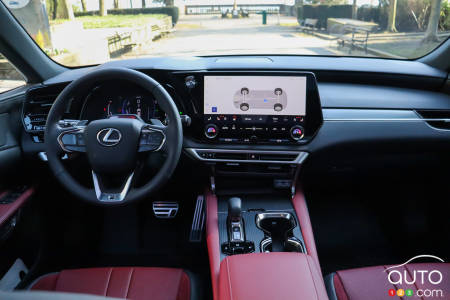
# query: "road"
{"type": "Point", "coordinates": [212, 35]}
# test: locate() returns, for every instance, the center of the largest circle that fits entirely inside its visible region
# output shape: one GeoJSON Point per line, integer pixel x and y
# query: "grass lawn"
{"type": "Point", "coordinates": [413, 48]}
{"type": "Point", "coordinates": [113, 21]}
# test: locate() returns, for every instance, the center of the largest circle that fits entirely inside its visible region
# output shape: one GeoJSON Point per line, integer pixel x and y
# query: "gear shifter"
{"type": "Point", "coordinates": [235, 224]}
{"type": "Point", "coordinates": [236, 230]}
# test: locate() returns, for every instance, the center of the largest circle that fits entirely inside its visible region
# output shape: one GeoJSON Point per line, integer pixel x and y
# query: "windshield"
{"type": "Point", "coordinates": [86, 32]}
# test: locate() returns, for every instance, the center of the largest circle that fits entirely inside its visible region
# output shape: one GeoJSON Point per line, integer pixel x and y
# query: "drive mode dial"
{"type": "Point", "coordinates": [211, 131]}
{"type": "Point", "coordinates": [297, 132]}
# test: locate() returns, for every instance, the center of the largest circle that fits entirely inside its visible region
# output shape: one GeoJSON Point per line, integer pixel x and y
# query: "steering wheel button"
{"type": "Point", "coordinates": [69, 139]}
{"type": "Point", "coordinates": [80, 140]}
{"type": "Point", "coordinates": [144, 139]}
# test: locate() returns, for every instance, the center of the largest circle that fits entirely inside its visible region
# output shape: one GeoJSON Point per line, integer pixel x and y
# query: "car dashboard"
{"type": "Point", "coordinates": [341, 109]}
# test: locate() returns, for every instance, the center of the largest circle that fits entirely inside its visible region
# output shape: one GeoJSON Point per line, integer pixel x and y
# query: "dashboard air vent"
{"type": "Point", "coordinates": [278, 157]}
{"type": "Point", "coordinates": [248, 156]}
{"type": "Point", "coordinates": [436, 118]}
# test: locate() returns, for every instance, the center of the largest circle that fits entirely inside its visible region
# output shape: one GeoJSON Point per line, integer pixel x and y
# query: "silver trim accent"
{"type": "Point", "coordinates": [301, 156]}
{"type": "Point", "coordinates": [213, 184]}
{"type": "Point", "coordinates": [74, 130]}
{"type": "Point", "coordinates": [285, 215]}
{"type": "Point", "coordinates": [215, 135]}
{"type": "Point", "coordinates": [106, 139]}
{"type": "Point", "coordinates": [292, 240]}
{"type": "Point", "coordinates": [111, 197]}
{"type": "Point", "coordinates": [150, 129]}
{"type": "Point", "coordinates": [239, 225]}
{"type": "Point", "coordinates": [301, 128]}
{"type": "Point", "coordinates": [43, 156]}
{"type": "Point", "coordinates": [198, 220]}
{"type": "Point", "coordinates": [164, 210]}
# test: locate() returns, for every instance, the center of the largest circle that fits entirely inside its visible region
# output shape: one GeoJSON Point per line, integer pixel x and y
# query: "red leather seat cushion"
{"type": "Point", "coordinates": [129, 283]}
{"type": "Point", "coordinates": [372, 282]}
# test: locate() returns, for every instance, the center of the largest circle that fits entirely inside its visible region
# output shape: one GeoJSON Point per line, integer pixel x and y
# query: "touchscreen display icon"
{"type": "Point", "coordinates": [246, 99]}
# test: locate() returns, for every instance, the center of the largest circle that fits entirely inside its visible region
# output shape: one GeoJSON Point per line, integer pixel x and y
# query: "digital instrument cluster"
{"type": "Point", "coordinates": [108, 100]}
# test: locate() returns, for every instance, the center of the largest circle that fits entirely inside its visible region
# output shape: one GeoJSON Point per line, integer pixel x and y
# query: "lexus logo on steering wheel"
{"type": "Point", "coordinates": [109, 137]}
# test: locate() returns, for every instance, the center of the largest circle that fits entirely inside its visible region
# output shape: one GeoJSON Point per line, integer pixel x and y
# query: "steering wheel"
{"type": "Point", "coordinates": [113, 145]}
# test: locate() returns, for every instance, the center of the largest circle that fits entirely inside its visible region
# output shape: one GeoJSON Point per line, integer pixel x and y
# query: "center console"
{"type": "Point", "coordinates": [261, 246]}
{"type": "Point", "coordinates": [258, 223]}
{"type": "Point", "coordinates": [250, 128]}
{"type": "Point", "coordinates": [270, 276]}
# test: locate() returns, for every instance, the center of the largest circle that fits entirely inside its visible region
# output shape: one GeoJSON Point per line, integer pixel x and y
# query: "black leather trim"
{"type": "Point", "coordinates": [329, 286]}
{"type": "Point", "coordinates": [196, 287]}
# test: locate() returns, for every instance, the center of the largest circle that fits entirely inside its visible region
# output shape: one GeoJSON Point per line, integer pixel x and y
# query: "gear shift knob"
{"type": "Point", "coordinates": [234, 209]}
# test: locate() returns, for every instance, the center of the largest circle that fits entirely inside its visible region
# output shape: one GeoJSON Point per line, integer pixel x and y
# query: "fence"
{"type": "Point", "coordinates": [218, 9]}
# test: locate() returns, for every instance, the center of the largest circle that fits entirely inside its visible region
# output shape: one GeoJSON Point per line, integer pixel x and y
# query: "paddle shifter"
{"type": "Point", "coordinates": [236, 230]}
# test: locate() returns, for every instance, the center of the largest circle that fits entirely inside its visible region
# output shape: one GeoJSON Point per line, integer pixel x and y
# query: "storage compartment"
{"type": "Point", "coordinates": [265, 276]}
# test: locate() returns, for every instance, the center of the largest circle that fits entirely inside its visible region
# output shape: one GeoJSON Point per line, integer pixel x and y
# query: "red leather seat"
{"type": "Point", "coordinates": [123, 282]}
{"type": "Point", "coordinates": [372, 282]}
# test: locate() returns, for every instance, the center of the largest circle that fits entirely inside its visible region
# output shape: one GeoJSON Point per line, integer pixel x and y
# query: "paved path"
{"type": "Point", "coordinates": [211, 35]}
{"type": "Point", "coordinates": [6, 84]}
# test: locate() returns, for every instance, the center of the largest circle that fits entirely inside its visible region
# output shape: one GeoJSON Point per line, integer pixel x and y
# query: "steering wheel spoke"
{"type": "Point", "coordinates": [111, 195]}
{"type": "Point", "coordinates": [153, 138]}
{"type": "Point", "coordinates": [71, 139]}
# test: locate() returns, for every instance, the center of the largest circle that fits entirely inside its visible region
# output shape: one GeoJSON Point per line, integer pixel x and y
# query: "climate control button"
{"type": "Point", "coordinates": [211, 131]}
{"type": "Point", "coordinates": [297, 132]}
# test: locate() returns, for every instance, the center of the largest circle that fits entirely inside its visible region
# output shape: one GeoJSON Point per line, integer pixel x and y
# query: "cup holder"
{"type": "Point", "coordinates": [278, 230]}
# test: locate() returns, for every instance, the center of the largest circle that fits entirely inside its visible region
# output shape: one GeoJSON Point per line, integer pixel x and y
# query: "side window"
{"type": "Point", "coordinates": [10, 78]}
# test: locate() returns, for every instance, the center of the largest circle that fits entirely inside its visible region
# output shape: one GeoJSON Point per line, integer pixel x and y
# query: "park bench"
{"type": "Point", "coordinates": [354, 36]}
{"type": "Point", "coordinates": [120, 43]}
{"type": "Point", "coordinates": [309, 25]}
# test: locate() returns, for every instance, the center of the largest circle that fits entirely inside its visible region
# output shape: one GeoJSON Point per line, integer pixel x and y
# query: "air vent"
{"type": "Point", "coordinates": [436, 118]}
{"type": "Point", "coordinates": [232, 156]}
{"type": "Point", "coordinates": [247, 156]}
{"type": "Point", "coordinates": [278, 157]}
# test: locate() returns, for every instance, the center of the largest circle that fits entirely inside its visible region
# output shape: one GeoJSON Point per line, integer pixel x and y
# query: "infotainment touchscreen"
{"type": "Point", "coordinates": [255, 95]}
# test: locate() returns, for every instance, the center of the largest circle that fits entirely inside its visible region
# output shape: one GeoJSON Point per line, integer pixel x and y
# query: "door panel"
{"type": "Point", "coordinates": [10, 153]}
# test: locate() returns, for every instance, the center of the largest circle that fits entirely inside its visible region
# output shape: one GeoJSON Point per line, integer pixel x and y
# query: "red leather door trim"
{"type": "Point", "coordinates": [212, 240]}
{"type": "Point", "coordinates": [301, 209]}
{"type": "Point", "coordinates": [8, 210]}
{"type": "Point", "coordinates": [270, 276]}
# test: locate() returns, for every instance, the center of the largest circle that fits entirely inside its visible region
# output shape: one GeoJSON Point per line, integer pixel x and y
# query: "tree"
{"type": "Point", "coordinates": [83, 5]}
{"type": "Point", "coordinates": [102, 8]}
{"type": "Point", "coordinates": [354, 10]}
{"type": "Point", "coordinates": [433, 22]}
{"type": "Point", "coordinates": [392, 14]}
{"type": "Point", "coordinates": [143, 3]}
{"type": "Point", "coordinates": [116, 4]}
{"type": "Point", "coordinates": [63, 9]}
{"type": "Point", "coordinates": [55, 9]}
